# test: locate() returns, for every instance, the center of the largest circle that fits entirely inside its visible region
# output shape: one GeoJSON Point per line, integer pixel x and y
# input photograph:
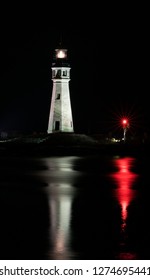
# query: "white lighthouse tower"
{"type": "Point", "coordinates": [60, 117]}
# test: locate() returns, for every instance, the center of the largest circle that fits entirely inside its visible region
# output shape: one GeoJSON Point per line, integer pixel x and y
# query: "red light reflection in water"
{"type": "Point", "coordinates": [124, 179]}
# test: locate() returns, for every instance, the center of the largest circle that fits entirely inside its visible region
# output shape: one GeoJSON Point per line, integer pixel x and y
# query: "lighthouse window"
{"type": "Point", "coordinates": [58, 75]}
{"type": "Point", "coordinates": [64, 73]}
{"type": "Point", "coordinates": [58, 96]}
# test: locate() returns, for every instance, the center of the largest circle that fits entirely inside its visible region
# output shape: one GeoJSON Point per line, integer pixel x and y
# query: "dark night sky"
{"type": "Point", "coordinates": [109, 57]}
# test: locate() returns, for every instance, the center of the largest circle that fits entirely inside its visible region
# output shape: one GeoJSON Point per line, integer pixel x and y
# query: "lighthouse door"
{"type": "Point", "coordinates": [57, 125]}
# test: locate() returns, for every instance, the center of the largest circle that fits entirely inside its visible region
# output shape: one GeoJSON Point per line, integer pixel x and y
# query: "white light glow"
{"type": "Point", "coordinates": [61, 54]}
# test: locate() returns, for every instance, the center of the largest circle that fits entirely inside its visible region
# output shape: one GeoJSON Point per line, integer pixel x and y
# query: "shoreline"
{"type": "Point", "coordinates": [34, 149]}
{"type": "Point", "coordinates": [70, 144]}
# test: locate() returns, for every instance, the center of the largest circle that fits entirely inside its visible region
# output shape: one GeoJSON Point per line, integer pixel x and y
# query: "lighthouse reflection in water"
{"type": "Point", "coordinates": [124, 193]}
{"type": "Point", "coordinates": [60, 209]}
{"type": "Point", "coordinates": [60, 176]}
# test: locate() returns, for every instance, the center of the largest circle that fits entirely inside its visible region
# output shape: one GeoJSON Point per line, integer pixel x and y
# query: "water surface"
{"type": "Point", "coordinates": [74, 207]}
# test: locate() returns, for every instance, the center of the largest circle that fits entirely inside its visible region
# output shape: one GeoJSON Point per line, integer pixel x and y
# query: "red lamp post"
{"type": "Point", "coordinates": [125, 125]}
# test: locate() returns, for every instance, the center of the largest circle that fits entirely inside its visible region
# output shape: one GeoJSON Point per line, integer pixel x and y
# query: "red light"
{"type": "Point", "coordinates": [124, 121]}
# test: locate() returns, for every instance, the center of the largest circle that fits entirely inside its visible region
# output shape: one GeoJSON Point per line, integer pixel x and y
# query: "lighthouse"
{"type": "Point", "coordinates": [60, 116]}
